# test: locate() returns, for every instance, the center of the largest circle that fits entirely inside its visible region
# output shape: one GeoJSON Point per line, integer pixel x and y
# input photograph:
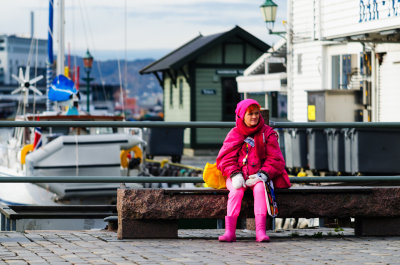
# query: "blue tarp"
{"type": "Point", "coordinates": [62, 89]}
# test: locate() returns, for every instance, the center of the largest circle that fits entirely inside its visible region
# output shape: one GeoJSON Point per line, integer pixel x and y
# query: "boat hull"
{"type": "Point", "coordinates": [77, 155]}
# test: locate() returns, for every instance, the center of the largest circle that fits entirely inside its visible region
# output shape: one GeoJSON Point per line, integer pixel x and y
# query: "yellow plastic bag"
{"type": "Point", "coordinates": [213, 177]}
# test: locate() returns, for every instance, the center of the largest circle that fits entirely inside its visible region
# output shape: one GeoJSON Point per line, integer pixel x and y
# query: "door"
{"type": "Point", "coordinates": [230, 98]}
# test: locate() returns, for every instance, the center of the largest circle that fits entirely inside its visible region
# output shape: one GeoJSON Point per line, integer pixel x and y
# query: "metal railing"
{"type": "Point", "coordinates": [198, 124]}
{"type": "Point", "coordinates": [175, 179]}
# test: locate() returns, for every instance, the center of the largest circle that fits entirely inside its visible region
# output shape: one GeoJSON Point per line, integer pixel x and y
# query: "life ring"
{"type": "Point", "coordinates": [124, 155]}
{"type": "Point", "coordinates": [24, 151]}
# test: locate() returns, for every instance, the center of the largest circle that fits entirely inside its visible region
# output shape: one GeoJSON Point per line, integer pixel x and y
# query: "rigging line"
{"type": "Point", "coordinates": [102, 81]}
{"type": "Point", "coordinates": [90, 33]}
{"type": "Point", "coordinates": [36, 56]}
{"type": "Point", "coordinates": [83, 13]}
{"type": "Point", "coordinates": [76, 153]}
{"type": "Point", "coordinates": [73, 42]}
{"type": "Point", "coordinates": [28, 63]}
{"type": "Point", "coordinates": [121, 95]}
{"type": "Point", "coordinates": [36, 67]}
{"type": "Point", "coordinates": [126, 45]}
{"type": "Point", "coordinates": [83, 23]}
{"type": "Point", "coordinates": [19, 106]}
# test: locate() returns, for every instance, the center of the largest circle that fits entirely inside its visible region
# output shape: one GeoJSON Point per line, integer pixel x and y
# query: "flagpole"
{"type": "Point", "coordinates": [50, 56]}
{"type": "Point", "coordinates": [61, 46]}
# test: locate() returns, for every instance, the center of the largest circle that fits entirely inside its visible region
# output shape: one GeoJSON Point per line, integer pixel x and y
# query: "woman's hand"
{"type": "Point", "coordinates": [238, 181]}
{"type": "Point", "coordinates": [252, 180]}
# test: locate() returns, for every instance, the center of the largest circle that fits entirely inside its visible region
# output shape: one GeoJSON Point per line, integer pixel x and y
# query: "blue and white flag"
{"type": "Point", "coordinates": [62, 88]}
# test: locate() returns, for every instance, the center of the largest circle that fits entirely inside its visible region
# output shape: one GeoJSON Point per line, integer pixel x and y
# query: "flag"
{"type": "Point", "coordinates": [62, 88]}
{"type": "Point", "coordinates": [37, 141]}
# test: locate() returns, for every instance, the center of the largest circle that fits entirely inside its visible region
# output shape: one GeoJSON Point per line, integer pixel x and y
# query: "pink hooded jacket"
{"type": "Point", "coordinates": [233, 151]}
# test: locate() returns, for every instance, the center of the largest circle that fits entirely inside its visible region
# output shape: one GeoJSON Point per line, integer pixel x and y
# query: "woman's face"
{"type": "Point", "coordinates": [251, 118]}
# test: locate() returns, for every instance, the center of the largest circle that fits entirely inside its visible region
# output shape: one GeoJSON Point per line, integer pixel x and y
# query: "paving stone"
{"type": "Point", "coordinates": [199, 247]}
{"type": "Point", "coordinates": [16, 261]}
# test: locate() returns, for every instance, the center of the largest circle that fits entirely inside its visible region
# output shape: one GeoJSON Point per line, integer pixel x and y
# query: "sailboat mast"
{"type": "Point", "coordinates": [61, 46]}
{"type": "Point", "coordinates": [50, 57]}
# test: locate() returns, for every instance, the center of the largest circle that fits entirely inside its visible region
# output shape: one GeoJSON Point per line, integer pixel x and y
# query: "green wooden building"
{"type": "Point", "coordinates": [199, 81]}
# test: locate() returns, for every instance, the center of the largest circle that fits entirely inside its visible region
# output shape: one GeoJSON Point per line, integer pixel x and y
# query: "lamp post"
{"type": "Point", "coordinates": [87, 64]}
{"type": "Point", "coordinates": [268, 10]}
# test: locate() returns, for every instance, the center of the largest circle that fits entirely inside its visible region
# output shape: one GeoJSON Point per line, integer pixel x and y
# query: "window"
{"type": "Point", "coordinates": [344, 67]}
{"type": "Point", "coordinates": [181, 92]}
{"type": "Point", "coordinates": [171, 96]}
{"type": "Point", "coordinates": [335, 72]}
{"type": "Point", "coordinates": [299, 59]}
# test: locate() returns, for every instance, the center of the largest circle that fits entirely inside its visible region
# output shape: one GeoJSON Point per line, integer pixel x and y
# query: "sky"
{"type": "Point", "coordinates": [137, 28]}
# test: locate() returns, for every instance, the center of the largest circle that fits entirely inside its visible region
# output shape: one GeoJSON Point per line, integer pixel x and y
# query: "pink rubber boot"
{"type": "Point", "coordinates": [261, 221]}
{"type": "Point", "coordinates": [230, 229]}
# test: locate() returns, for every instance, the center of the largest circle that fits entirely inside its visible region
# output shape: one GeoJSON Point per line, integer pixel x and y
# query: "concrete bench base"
{"type": "Point", "coordinates": [377, 226]}
{"type": "Point", "coordinates": [148, 229]}
{"type": "Point", "coordinates": [153, 213]}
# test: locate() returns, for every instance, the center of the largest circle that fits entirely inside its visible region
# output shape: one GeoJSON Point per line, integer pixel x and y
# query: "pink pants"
{"type": "Point", "coordinates": [236, 195]}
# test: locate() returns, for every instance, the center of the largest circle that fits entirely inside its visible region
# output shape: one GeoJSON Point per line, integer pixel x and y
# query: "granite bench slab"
{"type": "Point", "coordinates": [150, 213]}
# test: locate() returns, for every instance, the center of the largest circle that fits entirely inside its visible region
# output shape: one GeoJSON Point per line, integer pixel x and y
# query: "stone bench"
{"type": "Point", "coordinates": [154, 213]}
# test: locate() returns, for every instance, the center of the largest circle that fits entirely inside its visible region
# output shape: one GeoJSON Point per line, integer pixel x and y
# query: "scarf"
{"type": "Point", "coordinates": [255, 132]}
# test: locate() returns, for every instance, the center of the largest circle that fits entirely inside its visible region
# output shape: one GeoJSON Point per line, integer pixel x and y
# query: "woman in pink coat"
{"type": "Point", "coordinates": [250, 154]}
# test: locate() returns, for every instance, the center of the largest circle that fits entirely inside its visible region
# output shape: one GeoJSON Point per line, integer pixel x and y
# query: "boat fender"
{"type": "Point", "coordinates": [124, 155]}
{"type": "Point", "coordinates": [24, 151]}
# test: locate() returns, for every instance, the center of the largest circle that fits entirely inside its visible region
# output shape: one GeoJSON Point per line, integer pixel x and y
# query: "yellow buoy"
{"type": "Point", "coordinates": [24, 151]}
{"type": "Point", "coordinates": [124, 155]}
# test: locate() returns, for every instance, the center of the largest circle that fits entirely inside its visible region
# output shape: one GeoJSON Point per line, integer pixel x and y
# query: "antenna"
{"type": "Point", "coordinates": [32, 24]}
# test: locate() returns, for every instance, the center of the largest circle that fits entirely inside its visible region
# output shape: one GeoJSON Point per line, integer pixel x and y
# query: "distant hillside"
{"type": "Point", "coordinates": [137, 84]}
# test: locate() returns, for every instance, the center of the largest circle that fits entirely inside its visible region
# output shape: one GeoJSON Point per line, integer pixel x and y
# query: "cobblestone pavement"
{"type": "Point", "coordinates": [308, 246]}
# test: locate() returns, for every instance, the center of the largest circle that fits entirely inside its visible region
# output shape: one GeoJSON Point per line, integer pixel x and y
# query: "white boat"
{"type": "Point", "coordinates": [67, 152]}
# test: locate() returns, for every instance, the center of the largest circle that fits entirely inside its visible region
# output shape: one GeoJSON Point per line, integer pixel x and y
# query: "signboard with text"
{"type": "Point", "coordinates": [351, 17]}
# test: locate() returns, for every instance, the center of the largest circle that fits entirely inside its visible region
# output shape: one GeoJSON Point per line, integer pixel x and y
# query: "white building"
{"type": "Point", "coordinates": [15, 53]}
{"type": "Point", "coordinates": [348, 48]}
{"type": "Point", "coordinates": [349, 45]}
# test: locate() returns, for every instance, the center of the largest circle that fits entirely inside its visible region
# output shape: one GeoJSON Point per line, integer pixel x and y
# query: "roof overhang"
{"type": "Point", "coordinates": [382, 36]}
{"type": "Point", "coordinates": [262, 83]}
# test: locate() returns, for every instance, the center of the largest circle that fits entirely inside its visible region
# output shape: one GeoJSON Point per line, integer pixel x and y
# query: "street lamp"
{"type": "Point", "coordinates": [268, 10]}
{"type": "Point", "coordinates": [87, 64]}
